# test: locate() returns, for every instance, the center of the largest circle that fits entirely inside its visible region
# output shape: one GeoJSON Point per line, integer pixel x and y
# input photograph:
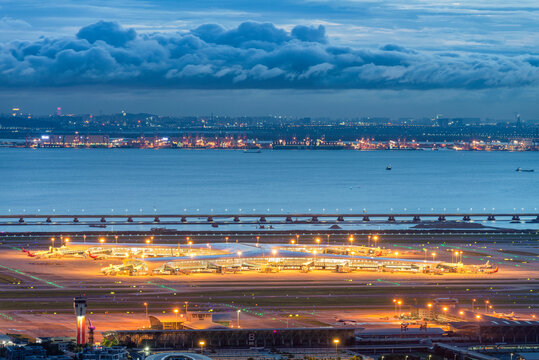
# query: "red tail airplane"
{"type": "Point", "coordinates": [92, 256]}
{"type": "Point", "coordinates": [30, 254]}
{"type": "Point", "coordinates": [24, 250]}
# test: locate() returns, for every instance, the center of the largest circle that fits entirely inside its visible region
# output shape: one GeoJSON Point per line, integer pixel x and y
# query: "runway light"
{"type": "Point", "coordinates": [336, 341]}
{"type": "Point", "coordinates": [147, 241]}
{"type": "Point", "coordinates": [445, 308]}
{"type": "Point", "coordinates": [429, 305]}
{"type": "Point", "coordinates": [461, 312]}
{"type": "Point", "coordinates": [101, 240]}
{"type": "Point", "coordinates": [478, 316]}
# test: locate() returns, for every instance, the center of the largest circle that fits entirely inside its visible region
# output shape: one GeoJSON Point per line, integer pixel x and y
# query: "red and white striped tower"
{"type": "Point", "coordinates": [79, 303]}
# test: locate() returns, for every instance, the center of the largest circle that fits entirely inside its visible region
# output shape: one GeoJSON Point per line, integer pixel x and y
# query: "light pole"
{"type": "Point", "coordinates": [52, 241]}
{"type": "Point", "coordinates": [226, 239]}
{"type": "Point", "coordinates": [433, 256]}
{"type": "Point", "coordinates": [238, 319]}
{"type": "Point", "coordinates": [239, 258]}
{"type": "Point", "coordinates": [297, 238]}
{"type": "Point", "coordinates": [201, 343]}
{"type": "Point", "coordinates": [257, 241]}
{"type": "Point", "coordinates": [473, 304]}
{"type": "Point", "coordinates": [176, 311]}
{"type": "Point", "coordinates": [336, 342]}
{"type": "Point", "coordinates": [146, 306]}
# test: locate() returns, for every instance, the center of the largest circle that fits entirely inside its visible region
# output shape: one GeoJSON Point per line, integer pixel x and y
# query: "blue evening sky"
{"type": "Point", "coordinates": [301, 58]}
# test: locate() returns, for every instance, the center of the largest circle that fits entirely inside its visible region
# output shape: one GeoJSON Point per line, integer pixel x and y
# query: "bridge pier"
{"type": "Point", "coordinates": [76, 220]}
{"type": "Point", "coordinates": [366, 218]}
{"type": "Point", "coordinates": [515, 218]}
{"type": "Point", "coordinates": [391, 218]}
{"type": "Point", "coordinates": [441, 218]}
{"type": "Point", "coordinates": [340, 218]}
{"type": "Point", "coordinates": [491, 218]}
{"type": "Point", "coordinates": [314, 219]}
{"type": "Point", "coordinates": [288, 219]}
{"type": "Point", "coordinates": [130, 219]}
{"type": "Point", "coordinates": [48, 220]}
{"type": "Point", "coordinates": [103, 219]}
{"type": "Point", "coordinates": [262, 219]}
{"type": "Point", "coordinates": [466, 218]}
{"type": "Point", "coordinates": [210, 219]}
{"type": "Point", "coordinates": [184, 219]}
{"type": "Point", "coordinates": [156, 219]}
{"type": "Point", "coordinates": [417, 218]}
{"type": "Point", "coordinates": [236, 219]}
{"type": "Point", "coordinates": [21, 220]}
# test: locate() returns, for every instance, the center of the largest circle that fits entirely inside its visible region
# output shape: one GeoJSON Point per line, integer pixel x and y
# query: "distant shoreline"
{"type": "Point", "coordinates": [266, 149]}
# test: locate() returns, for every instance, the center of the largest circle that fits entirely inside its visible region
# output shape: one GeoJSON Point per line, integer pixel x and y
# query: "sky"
{"type": "Point", "coordinates": [333, 58]}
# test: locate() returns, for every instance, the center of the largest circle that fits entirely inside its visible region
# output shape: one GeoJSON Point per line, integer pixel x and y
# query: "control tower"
{"type": "Point", "coordinates": [79, 304]}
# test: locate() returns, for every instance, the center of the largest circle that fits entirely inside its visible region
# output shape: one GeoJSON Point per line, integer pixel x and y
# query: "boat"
{"type": "Point", "coordinates": [252, 151]}
{"type": "Point", "coordinates": [524, 170]}
{"type": "Point", "coordinates": [98, 226]}
{"type": "Point", "coordinates": [388, 167]}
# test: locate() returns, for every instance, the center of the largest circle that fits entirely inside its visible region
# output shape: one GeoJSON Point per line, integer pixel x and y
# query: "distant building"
{"type": "Point", "coordinates": [191, 320]}
{"type": "Point", "coordinates": [5, 341]}
{"type": "Point", "coordinates": [25, 352]}
{"type": "Point", "coordinates": [106, 353]}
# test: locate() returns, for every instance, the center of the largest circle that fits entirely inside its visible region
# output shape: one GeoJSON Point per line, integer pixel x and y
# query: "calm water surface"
{"type": "Point", "coordinates": [169, 181]}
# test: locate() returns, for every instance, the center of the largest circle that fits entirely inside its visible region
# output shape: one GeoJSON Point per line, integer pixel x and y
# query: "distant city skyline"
{"type": "Point", "coordinates": [296, 58]}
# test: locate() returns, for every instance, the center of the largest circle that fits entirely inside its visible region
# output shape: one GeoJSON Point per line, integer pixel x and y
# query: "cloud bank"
{"type": "Point", "coordinates": [251, 56]}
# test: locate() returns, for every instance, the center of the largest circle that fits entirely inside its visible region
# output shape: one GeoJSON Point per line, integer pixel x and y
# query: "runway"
{"type": "Point", "coordinates": [35, 289]}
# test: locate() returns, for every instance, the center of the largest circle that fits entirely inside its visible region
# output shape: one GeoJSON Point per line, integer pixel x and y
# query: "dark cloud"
{"type": "Point", "coordinates": [109, 32]}
{"type": "Point", "coordinates": [253, 55]}
{"type": "Point", "coordinates": [308, 33]}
